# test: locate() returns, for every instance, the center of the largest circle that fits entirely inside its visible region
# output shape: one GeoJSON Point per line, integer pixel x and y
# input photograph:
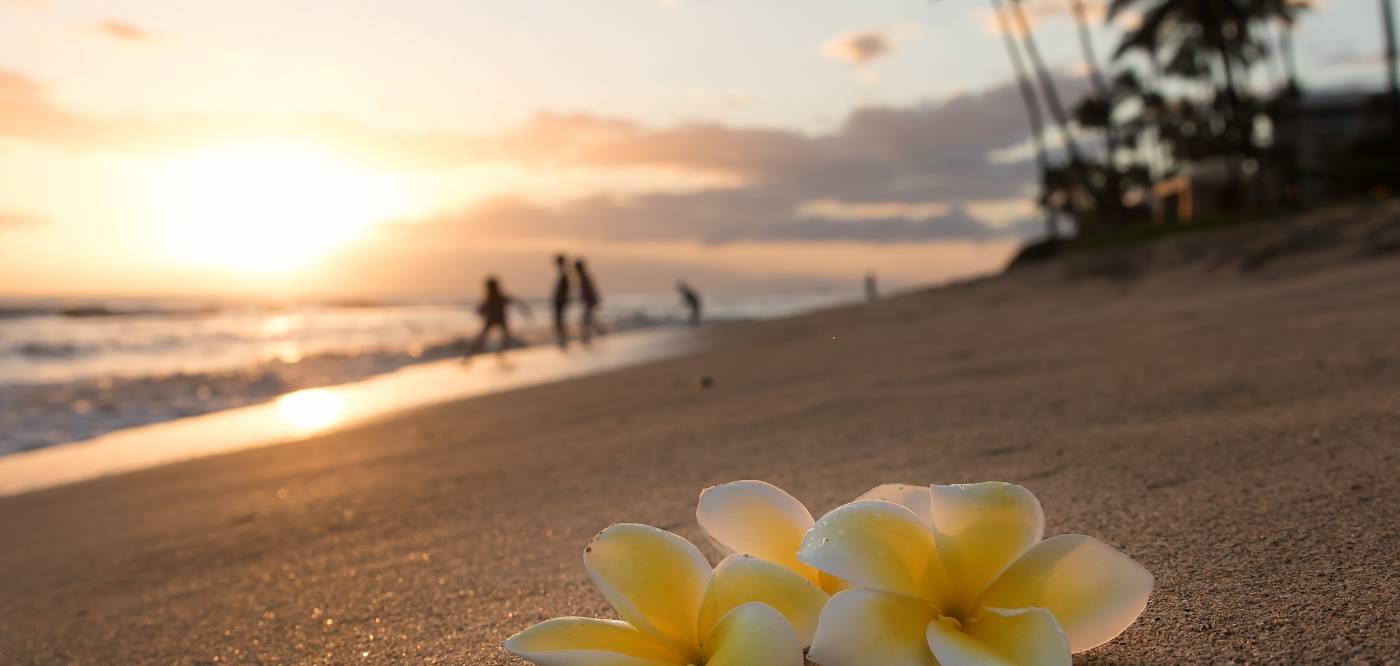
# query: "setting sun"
{"type": "Point", "coordinates": [268, 208]}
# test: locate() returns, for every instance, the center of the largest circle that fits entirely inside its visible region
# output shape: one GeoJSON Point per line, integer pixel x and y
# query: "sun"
{"type": "Point", "coordinates": [268, 208]}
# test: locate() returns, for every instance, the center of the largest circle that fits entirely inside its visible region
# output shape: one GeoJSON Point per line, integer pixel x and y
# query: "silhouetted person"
{"type": "Point", "coordinates": [493, 315]}
{"type": "Point", "coordinates": [691, 298]}
{"type": "Point", "coordinates": [588, 293]}
{"type": "Point", "coordinates": [872, 292]}
{"type": "Point", "coordinates": [561, 300]}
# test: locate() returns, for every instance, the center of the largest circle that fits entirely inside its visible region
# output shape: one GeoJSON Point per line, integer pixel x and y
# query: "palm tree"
{"type": "Point", "coordinates": [1052, 98]}
{"type": "Point", "coordinates": [1388, 18]}
{"type": "Point", "coordinates": [1033, 114]}
{"type": "Point", "coordinates": [1285, 13]}
{"type": "Point", "coordinates": [1189, 30]}
{"type": "Point", "coordinates": [1105, 99]}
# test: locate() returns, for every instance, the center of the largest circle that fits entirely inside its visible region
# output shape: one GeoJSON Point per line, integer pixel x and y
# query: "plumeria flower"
{"type": "Point", "coordinates": [957, 575]}
{"type": "Point", "coordinates": [758, 518]}
{"type": "Point", "coordinates": [676, 610]}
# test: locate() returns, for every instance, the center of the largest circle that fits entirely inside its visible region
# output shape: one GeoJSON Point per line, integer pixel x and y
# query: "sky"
{"type": "Point", "coordinates": [359, 148]}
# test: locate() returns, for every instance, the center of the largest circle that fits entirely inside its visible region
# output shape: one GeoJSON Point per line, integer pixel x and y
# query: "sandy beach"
{"type": "Point", "coordinates": [1226, 413]}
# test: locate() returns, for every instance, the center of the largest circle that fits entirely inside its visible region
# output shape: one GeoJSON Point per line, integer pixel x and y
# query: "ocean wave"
{"type": "Point", "coordinates": [98, 311]}
{"type": "Point", "coordinates": [40, 350]}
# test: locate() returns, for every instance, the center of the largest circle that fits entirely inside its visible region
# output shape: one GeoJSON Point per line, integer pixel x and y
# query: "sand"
{"type": "Point", "coordinates": [1234, 425]}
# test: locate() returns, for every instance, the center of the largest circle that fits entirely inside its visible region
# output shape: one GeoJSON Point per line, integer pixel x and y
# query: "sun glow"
{"type": "Point", "coordinates": [311, 410]}
{"type": "Point", "coordinates": [269, 208]}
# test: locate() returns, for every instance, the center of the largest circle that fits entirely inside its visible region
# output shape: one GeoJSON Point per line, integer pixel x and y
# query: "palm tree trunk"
{"type": "Point", "coordinates": [1388, 18]}
{"type": "Point", "coordinates": [1110, 132]}
{"type": "Point", "coordinates": [1033, 114]}
{"type": "Point", "coordinates": [1052, 95]}
{"type": "Point", "coordinates": [1290, 63]}
{"type": "Point", "coordinates": [1234, 124]}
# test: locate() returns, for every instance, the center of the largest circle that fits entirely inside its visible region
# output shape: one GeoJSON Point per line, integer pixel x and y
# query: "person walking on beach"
{"type": "Point", "coordinates": [588, 294]}
{"type": "Point", "coordinates": [493, 315]}
{"type": "Point", "coordinates": [561, 300]}
{"type": "Point", "coordinates": [691, 299]}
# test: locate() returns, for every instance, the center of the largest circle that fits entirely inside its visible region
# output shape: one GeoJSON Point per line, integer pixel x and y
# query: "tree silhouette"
{"type": "Point", "coordinates": [1033, 116]}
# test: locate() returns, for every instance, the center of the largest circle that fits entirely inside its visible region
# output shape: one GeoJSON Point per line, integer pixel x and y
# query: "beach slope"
{"type": "Point", "coordinates": [1235, 428]}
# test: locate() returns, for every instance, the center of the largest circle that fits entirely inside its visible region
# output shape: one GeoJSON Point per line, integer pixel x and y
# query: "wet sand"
{"type": "Point", "coordinates": [1229, 416]}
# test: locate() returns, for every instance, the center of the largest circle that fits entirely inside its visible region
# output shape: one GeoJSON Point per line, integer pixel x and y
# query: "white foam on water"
{"type": "Point", "coordinates": [301, 414]}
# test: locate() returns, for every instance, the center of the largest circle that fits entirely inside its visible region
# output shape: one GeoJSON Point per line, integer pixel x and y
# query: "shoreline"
{"type": "Point", "coordinates": [69, 379]}
{"type": "Point", "coordinates": [323, 410]}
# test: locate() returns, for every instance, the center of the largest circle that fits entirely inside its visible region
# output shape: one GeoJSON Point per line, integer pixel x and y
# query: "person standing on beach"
{"type": "Point", "coordinates": [691, 298]}
{"type": "Point", "coordinates": [872, 292]}
{"type": "Point", "coordinates": [493, 315]}
{"type": "Point", "coordinates": [588, 293]}
{"type": "Point", "coordinates": [561, 300]}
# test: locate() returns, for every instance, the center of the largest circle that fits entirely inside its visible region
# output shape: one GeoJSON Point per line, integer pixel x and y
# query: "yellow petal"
{"type": "Point", "coordinates": [831, 584]}
{"type": "Point", "coordinates": [1094, 591]}
{"type": "Point", "coordinates": [741, 579]}
{"type": "Point", "coordinates": [981, 528]}
{"type": "Point", "coordinates": [878, 545]}
{"type": "Point", "coordinates": [655, 579]}
{"type": "Point", "coordinates": [752, 635]}
{"type": "Point", "coordinates": [756, 518]}
{"type": "Point", "coordinates": [583, 641]}
{"type": "Point", "coordinates": [998, 637]}
{"type": "Point", "coordinates": [912, 496]}
{"type": "Point", "coordinates": [862, 626]}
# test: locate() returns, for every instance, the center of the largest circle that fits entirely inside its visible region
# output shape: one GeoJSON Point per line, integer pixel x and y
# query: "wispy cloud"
{"type": "Point", "coordinates": [10, 220]}
{"type": "Point", "coordinates": [121, 30]}
{"type": "Point", "coordinates": [863, 47]}
{"type": "Point", "coordinates": [1055, 10]}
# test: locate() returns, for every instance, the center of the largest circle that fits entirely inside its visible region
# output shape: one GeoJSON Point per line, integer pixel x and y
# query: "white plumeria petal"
{"type": "Point", "coordinates": [742, 579]}
{"type": "Point", "coordinates": [863, 626]}
{"type": "Point", "coordinates": [981, 528]}
{"type": "Point", "coordinates": [584, 641]}
{"type": "Point", "coordinates": [752, 635]}
{"type": "Point", "coordinates": [756, 518]}
{"type": "Point", "coordinates": [878, 545]}
{"type": "Point", "coordinates": [912, 496]}
{"type": "Point", "coordinates": [655, 579]}
{"type": "Point", "coordinates": [1094, 591]}
{"type": "Point", "coordinates": [999, 637]}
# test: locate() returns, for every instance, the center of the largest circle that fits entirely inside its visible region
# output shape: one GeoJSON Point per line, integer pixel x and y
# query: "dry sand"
{"type": "Point", "coordinates": [1231, 420]}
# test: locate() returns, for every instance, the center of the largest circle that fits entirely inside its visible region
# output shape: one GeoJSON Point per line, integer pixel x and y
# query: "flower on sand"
{"type": "Point", "coordinates": [758, 518]}
{"type": "Point", "coordinates": [676, 610]}
{"type": "Point", "coordinates": [956, 575]}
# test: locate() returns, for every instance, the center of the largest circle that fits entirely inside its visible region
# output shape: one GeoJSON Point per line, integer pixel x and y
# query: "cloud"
{"type": "Point", "coordinates": [16, 220]}
{"type": "Point", "coordinates": [1055, 10]}
{"type": "Point", "coordinates": [862, 47]}
{"type": "Point", "coordinates": [124, 31]}
{"type": "Point", "coordinates": [883, 175]}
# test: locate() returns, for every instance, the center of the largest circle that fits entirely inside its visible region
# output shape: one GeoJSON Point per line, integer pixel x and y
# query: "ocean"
{"type": "Point", "coordinates": [71, 370]}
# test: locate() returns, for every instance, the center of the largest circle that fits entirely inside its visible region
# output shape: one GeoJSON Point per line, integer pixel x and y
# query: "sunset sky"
{"type": "Point", "coordinates": [287, 147]}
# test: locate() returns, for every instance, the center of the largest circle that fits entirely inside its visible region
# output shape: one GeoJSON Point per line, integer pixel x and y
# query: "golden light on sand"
{"type": "Point", "coordinates": [311, 409]}
{"type": "Point", "coordinates": [269, 207]}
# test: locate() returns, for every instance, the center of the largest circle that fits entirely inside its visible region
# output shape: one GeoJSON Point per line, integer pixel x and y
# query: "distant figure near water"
{"type": "Point", "coordinates": [561, 300]}
{"type": "Point", "coordinates": [493, 315]}
{"type": "Point", "coordinates": [872, 291]}
{"type": "Point", "coordinates": [691, 299]}
{"type": "Point", "coordinates": [588, 293]}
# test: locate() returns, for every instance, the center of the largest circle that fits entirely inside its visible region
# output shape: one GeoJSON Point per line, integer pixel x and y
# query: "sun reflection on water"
{"type": "Point", "coordinates": [312, 409]}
